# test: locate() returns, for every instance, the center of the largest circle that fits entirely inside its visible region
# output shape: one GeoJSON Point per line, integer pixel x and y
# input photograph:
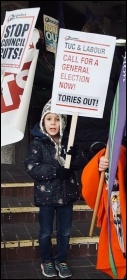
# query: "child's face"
{"type": "Point", "coordinates": [52, 124]}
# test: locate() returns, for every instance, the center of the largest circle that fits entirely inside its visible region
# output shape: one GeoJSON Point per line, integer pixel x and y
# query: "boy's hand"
{"type": "Point", "coordinates": [103, 164]}
{"type": "Point", "coordinates": [73, 150]}
{"type": "Point", "coordinates": [62, 173]}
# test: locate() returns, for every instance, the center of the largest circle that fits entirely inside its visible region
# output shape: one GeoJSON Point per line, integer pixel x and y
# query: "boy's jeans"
{"type": "Point", "coordinates": [63, 227]}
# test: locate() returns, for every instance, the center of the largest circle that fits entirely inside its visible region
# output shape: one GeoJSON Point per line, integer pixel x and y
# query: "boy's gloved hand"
{"type": "Point", "coordinates": [62, 173]}
{"type": "Point", "coordinates": [78, 159]}
{"type": "Point", "coordinates": [73, 150]}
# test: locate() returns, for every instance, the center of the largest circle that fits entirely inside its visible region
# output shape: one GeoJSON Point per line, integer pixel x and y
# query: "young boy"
{"type": "Point", "coordinates": [55, 188]}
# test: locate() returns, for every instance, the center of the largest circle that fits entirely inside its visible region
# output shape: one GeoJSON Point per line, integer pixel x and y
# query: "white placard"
{"type": "Point", "coordinates": [15, 97]}
{"type": "Point", "coordinates": [16, 34]}
{"type": "Point", "coordinates": [82, 71]}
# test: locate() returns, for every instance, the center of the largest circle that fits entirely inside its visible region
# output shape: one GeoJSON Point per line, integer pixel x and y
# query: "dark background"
{"type": "Point", "coordinates": [73, 19]}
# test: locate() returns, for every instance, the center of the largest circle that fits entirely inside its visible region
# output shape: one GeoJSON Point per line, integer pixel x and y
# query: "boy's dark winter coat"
{"type": "Point", "coordinates": [41, 165]}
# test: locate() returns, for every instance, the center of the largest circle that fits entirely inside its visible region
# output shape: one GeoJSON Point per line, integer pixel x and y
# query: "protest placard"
{"type": "Point", "coordinates": [16, 34]}
{"type": "Point", "coordinates": [16, 94]}
{"type": "Point", "coordinates": [50, 33]}
{"type": "Point", "coordinates": [81, 78]}
{"type": "Point", "coordinates": [82, 71]}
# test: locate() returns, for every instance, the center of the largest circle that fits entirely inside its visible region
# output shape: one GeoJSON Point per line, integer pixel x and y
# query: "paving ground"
{"type": "Point", "coordinates": [81, 267]}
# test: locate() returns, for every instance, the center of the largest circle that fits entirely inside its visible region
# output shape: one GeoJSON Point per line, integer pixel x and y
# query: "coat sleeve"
{"type": "Point", "coordinates": [35, 165]}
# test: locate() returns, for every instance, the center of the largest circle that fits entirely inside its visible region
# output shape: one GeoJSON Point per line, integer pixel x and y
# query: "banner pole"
{"type": "Point", "coordinates": [100, 187]}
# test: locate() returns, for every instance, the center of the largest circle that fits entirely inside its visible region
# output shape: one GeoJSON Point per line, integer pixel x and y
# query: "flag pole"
{"type": "Point", "coordinates": [100, 187]}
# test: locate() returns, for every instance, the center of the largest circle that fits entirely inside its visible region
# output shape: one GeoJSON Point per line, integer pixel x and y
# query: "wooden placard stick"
{"type": "Point", "coordinates": [100, 187]}
{"type": "Point", "coordinates": [71, 138]}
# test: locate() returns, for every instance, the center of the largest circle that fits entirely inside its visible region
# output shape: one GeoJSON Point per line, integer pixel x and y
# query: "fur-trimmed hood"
{"type": "Point", "coordinates": [45, 111]}
{"type": "Point", "coordinates": [63, 123]}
